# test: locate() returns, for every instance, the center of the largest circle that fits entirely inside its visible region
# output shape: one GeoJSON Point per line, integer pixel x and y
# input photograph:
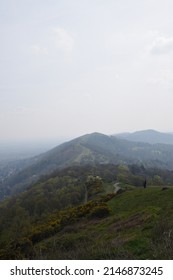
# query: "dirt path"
{"type": "Point", "coordinates": [116, 187]}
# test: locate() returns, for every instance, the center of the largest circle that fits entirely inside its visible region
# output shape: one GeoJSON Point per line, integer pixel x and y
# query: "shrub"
{"type": "Point", "coordinates": [100, 211]}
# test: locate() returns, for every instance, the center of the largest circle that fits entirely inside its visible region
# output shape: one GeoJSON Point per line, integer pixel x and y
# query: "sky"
{"type": "Point", "coordinates": [69, 68]}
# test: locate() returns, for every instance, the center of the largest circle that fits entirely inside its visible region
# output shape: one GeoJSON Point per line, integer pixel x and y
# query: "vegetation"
{"type": "Point", "coordinates": [92, 149]}
{"type": "Point", "coordinates": [76, 213]}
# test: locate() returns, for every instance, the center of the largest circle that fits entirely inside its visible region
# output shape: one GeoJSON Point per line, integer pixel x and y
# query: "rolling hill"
{"type": "Point", "coordinates": [90, 149]}
{"type": "Point", "coordinates": [148, 136]}
{"type": "Point", "coordinates": [65, 203]}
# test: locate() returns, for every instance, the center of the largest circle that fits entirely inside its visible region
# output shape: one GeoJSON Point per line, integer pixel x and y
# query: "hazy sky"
{"type": "Point", "coordinates": [69, 68]}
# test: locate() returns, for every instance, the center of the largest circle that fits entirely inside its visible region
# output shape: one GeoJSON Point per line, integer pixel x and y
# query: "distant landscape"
{"type": "Point", "coordinates": [94, 197]}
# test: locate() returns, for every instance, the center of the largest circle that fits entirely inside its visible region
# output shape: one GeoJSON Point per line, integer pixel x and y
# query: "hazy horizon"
{"type": "Point", "coordinates": [48, 142]}
{"type": "Point", "coordinates": [70, 68]}
{"type": "Point", "coordinates": [13, 150]}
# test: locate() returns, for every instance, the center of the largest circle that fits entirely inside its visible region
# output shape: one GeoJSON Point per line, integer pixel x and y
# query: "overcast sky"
{"type": "Point", "coordinates": [69, 68]}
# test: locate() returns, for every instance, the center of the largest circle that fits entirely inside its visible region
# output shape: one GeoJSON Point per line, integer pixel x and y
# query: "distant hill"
{"type": "Point", "coordinates": [148, 136]}
{"type": "Point", "coordinates": [90, 149]}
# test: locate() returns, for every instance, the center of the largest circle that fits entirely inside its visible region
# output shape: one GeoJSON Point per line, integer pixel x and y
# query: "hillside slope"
{"type": "Point", "coordinates": [135, 224]}
{"type": "Point", "coordinates": [89, 149]}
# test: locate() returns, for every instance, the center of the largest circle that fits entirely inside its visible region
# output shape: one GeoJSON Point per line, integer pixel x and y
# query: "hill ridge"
{"type": "Point", "coordinates": [90, 149]}
{"type": "Point", "coordinates": [150, 136]}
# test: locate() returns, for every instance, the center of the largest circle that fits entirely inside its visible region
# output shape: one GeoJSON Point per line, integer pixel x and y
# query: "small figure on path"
{"type": "Point", "coordinates": [145, 184]}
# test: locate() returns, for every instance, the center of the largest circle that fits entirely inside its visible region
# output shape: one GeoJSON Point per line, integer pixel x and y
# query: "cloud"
{"type": "Point", "coordinates": [165, 81]}
{"type": "Point", "coordinates": [161, 45]}
{"type": "Point", "coordinates": [64, 40]}
{"type": "Point", "coordinates": [37, 50]}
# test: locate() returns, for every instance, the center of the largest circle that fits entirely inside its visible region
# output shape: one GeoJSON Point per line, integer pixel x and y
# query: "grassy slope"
{"type": "Point", "coordinates": [139, 227]}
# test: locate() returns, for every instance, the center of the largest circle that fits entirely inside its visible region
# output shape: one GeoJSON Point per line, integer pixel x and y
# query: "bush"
{"type": "Point", "coordinates": [100, 211]}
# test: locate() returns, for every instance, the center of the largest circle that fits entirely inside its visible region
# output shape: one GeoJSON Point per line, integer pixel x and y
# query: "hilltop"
{"type": "Point", "coordinates": [90, 149]}
{"type": "Point", "coordinates": [85, 199]}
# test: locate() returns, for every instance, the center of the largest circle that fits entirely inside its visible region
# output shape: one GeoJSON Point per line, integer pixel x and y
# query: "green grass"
{"type": "Point", "coordinates": [135, 224]}
{"type": "Point", "coordinates": [138, 227]}
{"type": "Point", "coordinates": [140, 199]}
